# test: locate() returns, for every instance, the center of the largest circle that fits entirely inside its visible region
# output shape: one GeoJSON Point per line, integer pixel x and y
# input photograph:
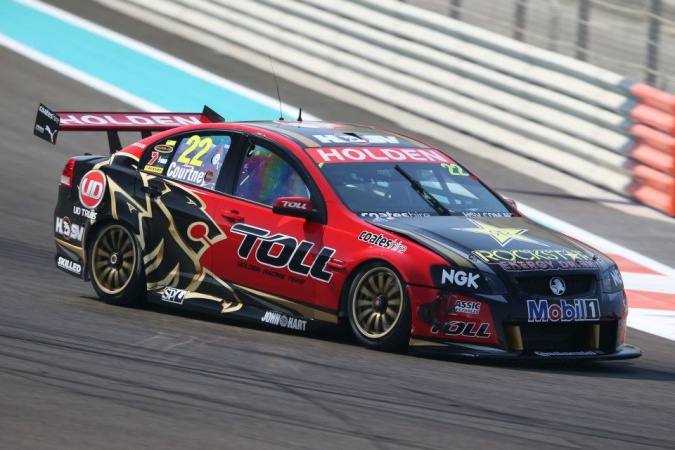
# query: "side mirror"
{"type": "Point", "coordinates": [293, 206]}
{"type": "Point", "coordinates": [511, 202]}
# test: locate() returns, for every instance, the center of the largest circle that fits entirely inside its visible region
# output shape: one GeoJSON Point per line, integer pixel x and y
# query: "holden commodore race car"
{"type": "Point", "coordinates": [300, 224]}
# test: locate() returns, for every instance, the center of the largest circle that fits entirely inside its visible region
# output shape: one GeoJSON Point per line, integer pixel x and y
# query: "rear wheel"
{"type": "Point", "coordinates": [379, 309]}
{"type": "Point", "coordinates": [116, 269]}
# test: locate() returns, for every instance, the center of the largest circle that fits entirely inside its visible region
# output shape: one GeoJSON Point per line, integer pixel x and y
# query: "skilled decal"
{"type": "Point", "coordinates": [173, 295]}
{"type": "Point", "coordinates": [284, 321]}
{"type": "Point", "coordinates": [283, 251]}
{"type": "Point", "coordinates": [69, 230]}
{"type": "Point", "coordinates": [92, 188]}
{"type": "Point", "coordinates": [502, 235]}
{"type": "Point", "coordinates": [69, 265]}
{"type": "Point", "coordinates": [382, 241]}
{"type": "Point", "coordinates": [579, 310]}
{"type": "Point", "coordinates": [374, 154]}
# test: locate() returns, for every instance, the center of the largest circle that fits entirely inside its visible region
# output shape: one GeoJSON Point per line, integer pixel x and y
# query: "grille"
{"type": "Point", "coordinates": [576, 285]}
{"type": "Point", "coordinates": [527, 337]}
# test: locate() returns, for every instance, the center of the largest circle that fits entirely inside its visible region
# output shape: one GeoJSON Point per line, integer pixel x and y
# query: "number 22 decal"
{"type": "Point", "coordinates": [455, 169]}
{"type": "Point", "coordinates": [195, 142]}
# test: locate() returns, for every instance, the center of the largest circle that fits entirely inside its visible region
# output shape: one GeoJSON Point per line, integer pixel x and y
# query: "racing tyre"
{"type": "Point", "coordinates": [115, 265]}
{"type": "Point", "coordinates": [379, 308]}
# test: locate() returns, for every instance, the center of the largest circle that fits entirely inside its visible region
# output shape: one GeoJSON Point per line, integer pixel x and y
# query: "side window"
{"type": "Point", "coordinates": [197, 158]}
{"type": "Point", "coordinates": [264, 177]}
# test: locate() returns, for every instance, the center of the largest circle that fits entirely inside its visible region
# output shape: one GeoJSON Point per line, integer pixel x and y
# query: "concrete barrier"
{"type": "Point", "coordinates": [577, 118]}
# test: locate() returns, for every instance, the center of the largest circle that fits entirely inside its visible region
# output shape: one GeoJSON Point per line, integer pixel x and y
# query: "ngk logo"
{"type": "Point", "coordinates": [92, 188]}
{"type": "Point", "coordinates": [460, 278]}
{"type": "Point", "coordinates": [69, 230]}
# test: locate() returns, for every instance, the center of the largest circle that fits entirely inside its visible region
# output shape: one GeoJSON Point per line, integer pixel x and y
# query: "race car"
{"type": "Point", "coordinates": [299, 224]}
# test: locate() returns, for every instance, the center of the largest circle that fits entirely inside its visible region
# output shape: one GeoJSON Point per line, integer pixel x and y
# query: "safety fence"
{"type": "Point", "coordinates": [580, 119]}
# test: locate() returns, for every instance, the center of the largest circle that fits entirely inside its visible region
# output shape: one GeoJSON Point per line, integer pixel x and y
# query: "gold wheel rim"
{"type": "Point", "coordinates": [378, 303]}
{"type": "Point", "coordinates": [113, 259]}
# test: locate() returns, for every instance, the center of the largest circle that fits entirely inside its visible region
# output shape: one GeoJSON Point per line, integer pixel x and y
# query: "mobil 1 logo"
{"type": "Point", "coordinates": [579, 310]}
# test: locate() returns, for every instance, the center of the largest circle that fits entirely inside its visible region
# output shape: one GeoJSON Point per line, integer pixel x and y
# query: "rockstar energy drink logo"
{"type": "Point", "coordinates": [536, 259]}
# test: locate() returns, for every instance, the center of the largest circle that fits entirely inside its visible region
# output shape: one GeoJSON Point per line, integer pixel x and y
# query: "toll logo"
{"type": "Point", "coordinates": [283, 251]}
{"type": "Point", "coordinates": [579, 310]}
{"type": "Point", "coordinates": [92, 188]}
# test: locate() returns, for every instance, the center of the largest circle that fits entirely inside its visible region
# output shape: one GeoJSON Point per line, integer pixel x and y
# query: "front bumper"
{"type": "Point", "coordinates": [478, 353]}
{"type": "Point", "coordinates": [498, 328]}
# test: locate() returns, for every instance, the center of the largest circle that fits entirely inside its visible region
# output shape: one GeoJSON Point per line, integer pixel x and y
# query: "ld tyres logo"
{"type": "Point", "coordinates": [92, 188]}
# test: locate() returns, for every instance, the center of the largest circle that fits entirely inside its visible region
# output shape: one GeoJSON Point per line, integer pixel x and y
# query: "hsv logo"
{"type": "Point", "coordinates": [92, 188]}
{"type": "Point", "coordinates": [69, 230]}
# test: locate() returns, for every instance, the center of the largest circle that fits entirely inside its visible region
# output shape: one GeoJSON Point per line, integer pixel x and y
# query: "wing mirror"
{"type": "Point", "coordinates": [293, 206]}
{"type": "Point", "coordinates": [511, 202]}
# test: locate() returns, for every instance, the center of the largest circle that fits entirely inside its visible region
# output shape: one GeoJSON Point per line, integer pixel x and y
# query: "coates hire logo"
{"type": "Point", "coordinates": [565, 311]}
{"type": "Point", "coordinates": [92, 188]}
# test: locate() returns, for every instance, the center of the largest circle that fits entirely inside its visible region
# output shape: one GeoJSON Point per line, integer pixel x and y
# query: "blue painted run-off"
{"type": "Point", "coordinates": [129, 70]}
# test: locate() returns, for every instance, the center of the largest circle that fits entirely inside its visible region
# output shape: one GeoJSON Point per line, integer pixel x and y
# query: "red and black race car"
{"type": "Point", "coordinates": [297, 224]}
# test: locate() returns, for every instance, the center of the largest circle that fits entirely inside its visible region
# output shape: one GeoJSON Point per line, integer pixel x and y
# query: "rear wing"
{"type": "Point", "coordinates": [48, 123]}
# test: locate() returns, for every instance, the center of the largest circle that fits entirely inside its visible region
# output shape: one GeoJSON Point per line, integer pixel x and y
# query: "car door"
{"type": "Point", "coordinates": [177, 196]}
{"type": "Point", "coordinates": [275, 260]}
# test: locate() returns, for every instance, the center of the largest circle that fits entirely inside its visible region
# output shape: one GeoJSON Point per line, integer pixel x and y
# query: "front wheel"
{"type": "Point", "coordinates": [116, 269]}
{"type": "Point", "coordinates": [379, 308]}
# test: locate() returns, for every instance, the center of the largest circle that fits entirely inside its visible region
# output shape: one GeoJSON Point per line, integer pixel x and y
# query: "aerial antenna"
{"type": "Point", "coordinates": [281, 115]}
{"type": "Point", "coordinates": [300, 115]}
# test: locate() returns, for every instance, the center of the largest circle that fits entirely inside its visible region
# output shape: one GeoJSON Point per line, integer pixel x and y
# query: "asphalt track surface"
{"type": "Point", "coordinates": [78, 374]}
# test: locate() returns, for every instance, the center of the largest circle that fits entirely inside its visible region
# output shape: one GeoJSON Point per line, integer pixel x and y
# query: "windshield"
{"type": "Point", "coordinates": [376, 190]}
